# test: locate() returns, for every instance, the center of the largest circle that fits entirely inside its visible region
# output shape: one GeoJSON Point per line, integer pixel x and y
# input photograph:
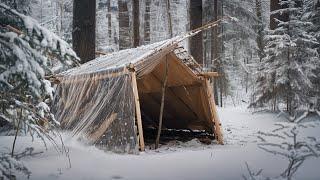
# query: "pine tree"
{"type": "Point", "coordinates": [312, 13]}
{"type": "Point", "coordinates": [28, 53]}
{"type": "Point", "coordinates": [288, 69]}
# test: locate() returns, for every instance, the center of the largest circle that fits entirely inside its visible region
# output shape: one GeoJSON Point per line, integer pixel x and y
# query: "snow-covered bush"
{"type": "Point", "coordinates": [8, 166]}
{"type": "Point", "coordinates": [291, 141]}
{"type": "Point", "coordinates": [11, 165]}
{"type": "Point", "coordinates": [28, 53]}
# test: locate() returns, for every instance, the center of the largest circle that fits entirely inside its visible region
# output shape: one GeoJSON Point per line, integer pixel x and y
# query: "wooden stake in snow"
{"type": "Point", "coordinates": [162, 104]}
{"type": "Point", "coordinates": [16, 135]}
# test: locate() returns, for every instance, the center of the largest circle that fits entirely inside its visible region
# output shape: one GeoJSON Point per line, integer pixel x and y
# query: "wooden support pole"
{"type": "Point", "coordinates": [100, 53]}
{"type": "Point", "coordinates": [138, 110]}
{"type": "Point", "coordinates": [16, 134]}
{"type": "Point", "coordinates": [215, 118]}
{"type": "Point", "coordinates": [162, 104]}
{"type": "Point", "coordinates": [209, 74]}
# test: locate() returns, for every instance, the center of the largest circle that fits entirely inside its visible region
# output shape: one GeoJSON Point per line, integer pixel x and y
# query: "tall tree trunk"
{"type": "Point", "coordinates": [221, 91]}
{"type": "Point", "coordinates": [246, 61]}
{"type": "Point", "coordinates": [59, 13]}
{"type": "Point", "coordinates": [84, 24]}
{"type": "Point", "coordinates": [169, 18]}
{"type": "Point", "coordinates": [260, 29]}
{"type": "Point", "coordinates": [147, 22]}
{"type": "Point", "coordinates": [215, 50]}
{"type": "Point", "coordinates": [195, 43]}
{"type": "Point", "coordinates": [136, 23]}
{"type": "Point", "coordinates": [124, 25]}
{"type": "Point", "coordinates": [222, 79]}
{"type": "Point", "coordinates": [109, 19]}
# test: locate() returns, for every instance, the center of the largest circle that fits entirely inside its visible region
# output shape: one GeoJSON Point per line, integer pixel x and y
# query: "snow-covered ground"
{"type": "Point", "coordinates": [190, 160]}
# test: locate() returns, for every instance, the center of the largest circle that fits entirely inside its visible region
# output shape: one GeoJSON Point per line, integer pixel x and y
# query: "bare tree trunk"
{"type": "Point", "coordinates": [124, 25]}
{"type": "Point", "coordinates": [84, 24]}
{"type": "Point", "coordinates": [247, 75]}
{"type": "Point", "coordinates": [215, 50]}
{"type": "Point", "coordinates": [195, 43]}
{"type": "Point", "coordinates": [147, 22]}
{"type": "Point", "coordinates": [260, 30]}
{"type": "Point", "coordinates": [59, 13]}
{"type": "Point", "coordinates": [274, 99]}
{"type": "Point", "coordinates": [222, 78]}
{"type": "Point", "coordinates": [163, 89]}
{"type": "Point", "coordinates": [214, 31]}
{"type": "Point", "coordinates": [221, 91]}
{"type": "Point", "coordinates": [169, 18]}
{"type": "Point", "coordinates": [215, 91]}
{"type": "Point", "coordinates": [109, 19]}
{"type": "Point", "coordinates": [136, 23]}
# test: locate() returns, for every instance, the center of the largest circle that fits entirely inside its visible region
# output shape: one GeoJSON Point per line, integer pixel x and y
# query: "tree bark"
{"type": "Point", "coordinates": [260, 29]}
{"type": "Point", "coordinates": [169, 18]}
{"type": "Point", "coordinates": [195, 42]}
{"type": "Point", "coordinates": [215, 50]}
{"type": "Point", "coordinates": [84, 24]}
{"type": "Point", "coordinates": [147, 22]}
{"type": "Point", "coordinates": [124, 25]}
{"type": "Point", "coordinates": [221, 84]}
{"type": "Point", "coordinates": [136, 23]}
{"type": "Point", "coordinates": [109, 19]}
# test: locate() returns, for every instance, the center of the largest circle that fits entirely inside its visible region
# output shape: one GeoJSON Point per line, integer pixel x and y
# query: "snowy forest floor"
{"type": "Point", "coordinates": [190, 160]}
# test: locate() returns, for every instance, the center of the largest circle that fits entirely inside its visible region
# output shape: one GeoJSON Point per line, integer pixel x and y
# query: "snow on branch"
{"type": "Point", "coordinates": [38, 37]}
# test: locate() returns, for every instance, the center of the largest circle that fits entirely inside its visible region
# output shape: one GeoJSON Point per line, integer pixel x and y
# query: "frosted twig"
{"type": "Point", "coordinates": [271, 135]}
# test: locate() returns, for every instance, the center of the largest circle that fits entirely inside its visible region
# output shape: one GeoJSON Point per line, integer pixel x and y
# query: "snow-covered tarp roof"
{"type": "Point", "coordinates": [123, 58]}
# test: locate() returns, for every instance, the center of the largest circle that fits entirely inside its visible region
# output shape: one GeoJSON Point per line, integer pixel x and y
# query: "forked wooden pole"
{"type": "Point", "coordinates": [138, 111]}
{"type": "Point", "coordinates": [162, 104]}
{"type": "Point", "coordinates": [215, 118]}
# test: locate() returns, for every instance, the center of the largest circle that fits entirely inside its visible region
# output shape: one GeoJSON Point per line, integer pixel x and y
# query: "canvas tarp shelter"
{"type": "Point", "coordinates": [111, 99]}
